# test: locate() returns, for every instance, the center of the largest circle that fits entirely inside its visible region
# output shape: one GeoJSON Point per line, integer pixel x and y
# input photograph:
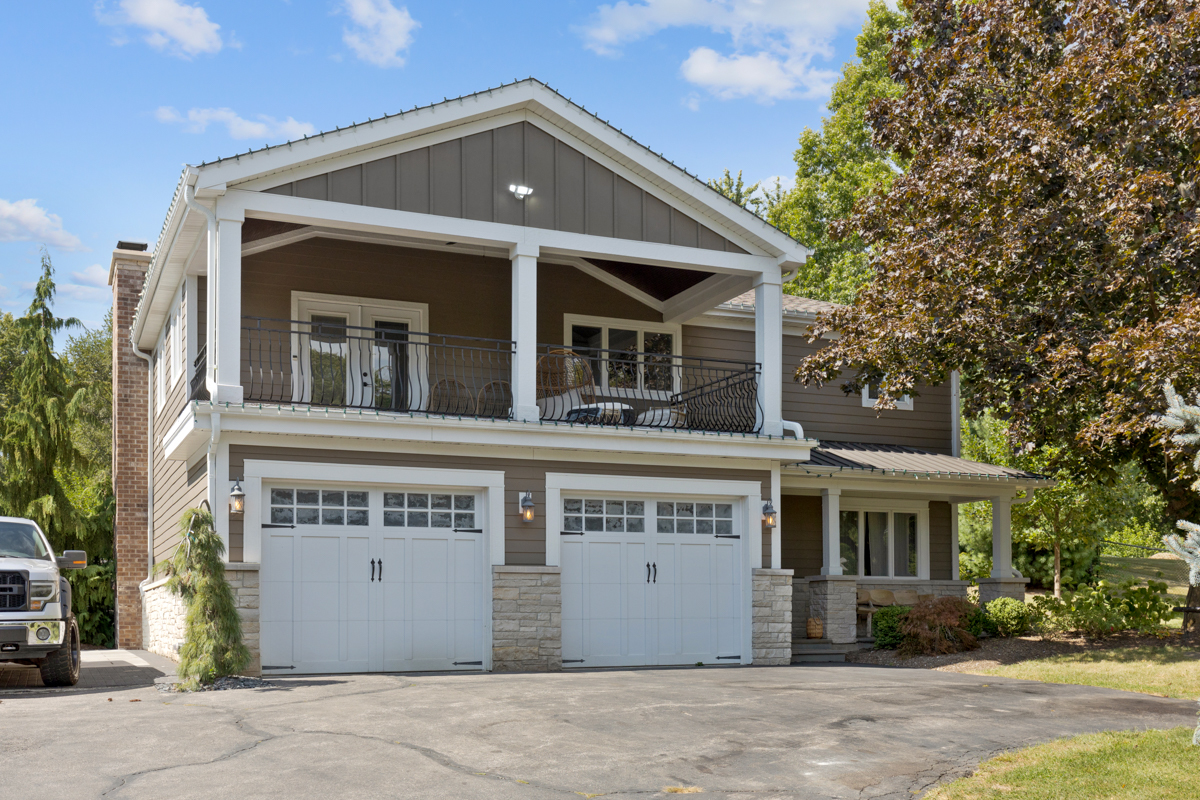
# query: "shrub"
{"type": "Point", "coordinates": [1007, 616]}
{"type": "Point", "coordinates": [977, 621]}
{"type": "Point", "coordinates": [1037, 563]}
{"type": "Point", "coordinates": [1146, 608]}
{"type": "Point", "coordinates": [93, 599]}
{"type": "Point", "coordinates": [212, 646]}
{"type": "Point", "coordinates": [937, 627]}
{"type": "Point", "coordinates": [886, 627]}
{"type": "Point", "coordinates": [1104, 609]}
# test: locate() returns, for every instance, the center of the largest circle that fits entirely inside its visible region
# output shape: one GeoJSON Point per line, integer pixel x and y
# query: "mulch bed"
{"type": "Point", "coordinates": [996, 651]}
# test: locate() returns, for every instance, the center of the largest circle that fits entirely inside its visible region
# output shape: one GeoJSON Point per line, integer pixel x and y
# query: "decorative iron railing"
{"type": "Point", "coordinates": [198, 388]}
{"type": "Point", "coordinates": [386, 368]}
{"type": "Point", "coordinates": [655, 390]}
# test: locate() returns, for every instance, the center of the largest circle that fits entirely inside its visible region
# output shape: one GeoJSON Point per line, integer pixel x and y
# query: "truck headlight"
{"type": "Point", "coordinates": [41, 593]}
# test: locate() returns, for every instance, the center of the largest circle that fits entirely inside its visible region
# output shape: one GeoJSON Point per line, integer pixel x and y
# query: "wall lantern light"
{"type": "Point", "coordinates": [770, 516]}
{"type": "Point", "coordinates": [237, 499]}
{"type": "Point", "coordinates": [527, 507]}
{"type": "Point", "coordinates": [521, 192]}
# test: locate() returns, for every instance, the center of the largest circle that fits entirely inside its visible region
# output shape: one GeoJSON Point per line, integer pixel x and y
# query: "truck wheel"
{"type": "Point", "coordinates": [61, 668]}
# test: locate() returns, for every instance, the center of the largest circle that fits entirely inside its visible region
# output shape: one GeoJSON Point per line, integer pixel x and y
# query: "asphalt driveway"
{"type": "Point", "coordinates": [842, 731]}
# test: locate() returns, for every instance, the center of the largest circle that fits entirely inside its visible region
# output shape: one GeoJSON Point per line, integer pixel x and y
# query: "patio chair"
{"type": "Point", "coordinates": [451, 396]}
{"type": "Point", "coordinates": [906, 597]}
{"type": "Point", "coordinates": [494, 400]}
{"type": "Point", "coordinates": [564, 381]}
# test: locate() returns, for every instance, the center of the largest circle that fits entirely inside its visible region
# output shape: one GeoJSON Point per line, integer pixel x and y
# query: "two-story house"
{"type": "Point", "coordinates": [489, 385]}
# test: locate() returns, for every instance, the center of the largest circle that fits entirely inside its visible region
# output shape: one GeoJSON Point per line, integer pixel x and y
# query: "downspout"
{"type": "Point", "coordinates": [794, 427]}
{"type": "Point", "coordinates": [189, 197]}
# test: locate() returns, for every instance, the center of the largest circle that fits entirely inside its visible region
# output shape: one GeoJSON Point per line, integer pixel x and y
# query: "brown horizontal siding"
{"type": "Point", "coordinates": [800, 534]}
{"type": "Point", "coordinates": [173, 493]}
{"type": "Point", "coordinates": [468, 178]}
{"type": "Point", "coordinates": [524, 542]}
{"type": "Point", "coordinates": [940, 542]}
{"type": "Point", "coordinates": [827, 412]}
{"type": "Point", "coordinates": [467, 295]}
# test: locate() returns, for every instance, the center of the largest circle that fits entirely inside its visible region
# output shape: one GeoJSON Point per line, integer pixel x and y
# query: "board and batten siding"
{"type": "Point", "coordinates": [827, 412]}
{"type": "Point", "coordinates": [800, 537]}
{"type": "Point", "coordinates": [468, 178]}
{"type": "Point", "coordinates": [467, 295]}
{"type": "Point", "coordinates": [524, 542]}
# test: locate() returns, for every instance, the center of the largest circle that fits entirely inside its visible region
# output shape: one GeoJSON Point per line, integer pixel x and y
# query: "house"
{"type": "Point", "coordinates": [504, 389]}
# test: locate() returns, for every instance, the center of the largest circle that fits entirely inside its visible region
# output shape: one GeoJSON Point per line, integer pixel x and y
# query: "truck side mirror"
{"type": "Point", "coordinates": [72, 559]}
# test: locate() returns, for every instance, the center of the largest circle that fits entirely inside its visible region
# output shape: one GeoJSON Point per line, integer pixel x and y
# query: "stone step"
{"type": "Point", "coordinates": [814, 657]}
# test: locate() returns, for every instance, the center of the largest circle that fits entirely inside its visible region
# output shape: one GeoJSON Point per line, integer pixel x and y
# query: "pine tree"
{"type": "Point", "coordinates": [36, 441]}
{"type": "Point", "coordinates": [1180, 417]}
{"type": "Point", "coordinates": [212, 644]}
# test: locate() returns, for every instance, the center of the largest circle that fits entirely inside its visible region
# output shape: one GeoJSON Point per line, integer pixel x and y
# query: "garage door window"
{"type": "Point", "coordinates": [423, 510]}
{"type": "Point", "coordinates": [695, 518]}
{"type": "Point", "coordinates": [319, 507]}
{"type": "Point", "coordinates": [612, 516]}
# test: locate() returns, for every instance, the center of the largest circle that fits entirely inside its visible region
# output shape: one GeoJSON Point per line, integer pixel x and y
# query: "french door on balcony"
{"type": "Point", "coordinates": [357, 355]}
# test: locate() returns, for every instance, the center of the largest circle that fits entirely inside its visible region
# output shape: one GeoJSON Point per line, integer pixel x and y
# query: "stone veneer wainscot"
{"type": "Point", "coordinates": [526, 619]}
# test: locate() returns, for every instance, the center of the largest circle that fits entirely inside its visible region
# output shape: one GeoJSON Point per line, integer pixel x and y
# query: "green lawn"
{"type": "Point", "coordinates": [1171, 570]}
{"type": "Point", "coordinates": [1121, 765]}
{"type": "Point", "coordinates": [1172, 671]}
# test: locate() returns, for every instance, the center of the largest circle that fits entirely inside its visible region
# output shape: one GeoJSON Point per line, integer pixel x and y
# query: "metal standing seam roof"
{"type": "Point", "coordinates": [833, 457]}
{"type": "Point", "coordinates": [793, 305]}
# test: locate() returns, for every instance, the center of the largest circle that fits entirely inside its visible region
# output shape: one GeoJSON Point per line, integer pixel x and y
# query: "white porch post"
{"type": "Point", "coordinates": [524, 331]}
{"type": "Point", "coordinates": [768, 351]}
{"type": "Point", "coordinates": [226, 357]}
{"type": "Point", "coordinates": [831, 540]}
{"type": "Point", "coordinates": [1002, 537]}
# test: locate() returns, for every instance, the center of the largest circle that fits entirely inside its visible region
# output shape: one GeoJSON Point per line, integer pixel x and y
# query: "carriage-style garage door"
{"type": "Point", "coordinates": [653, 581]}
{"type": "Point", "coordinates": [371, 580]}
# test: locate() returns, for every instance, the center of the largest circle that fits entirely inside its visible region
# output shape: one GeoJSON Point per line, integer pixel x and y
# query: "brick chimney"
{"type": "Point", "coordinates": [131, 446]}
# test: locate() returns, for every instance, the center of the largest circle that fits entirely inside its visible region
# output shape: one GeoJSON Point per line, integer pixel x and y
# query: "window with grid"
{"type": "Point", "coordinates": [428, 510]}
{"type": "Point", "coordinates": [695, 517]}
{"type": "Point", "coordinates": [319, 507]}
{"type": "Point", "coordinates": [612, 516]}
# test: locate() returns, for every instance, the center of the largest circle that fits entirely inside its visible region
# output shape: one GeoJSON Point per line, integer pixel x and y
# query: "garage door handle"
{"type": "Point", "coordinates": [647, 572]}
{"type": "Point", "coordinates": [372, 569]}
{"type": "Point", "coordinates": [656, 572]}
{"type": "Point", "coordinates": [381, 570]}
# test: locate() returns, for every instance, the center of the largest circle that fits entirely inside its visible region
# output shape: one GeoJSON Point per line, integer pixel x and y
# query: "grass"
{"type": "Point", "coordinates": [1120, 765]}
{"type": "Point", "coordinates": [1171, 570]}
{"type": "Point", "coordinates": [1167, 671]}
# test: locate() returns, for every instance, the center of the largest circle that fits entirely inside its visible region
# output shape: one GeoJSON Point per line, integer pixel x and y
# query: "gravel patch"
{"type": "Point", "coordinates": [219, 685]}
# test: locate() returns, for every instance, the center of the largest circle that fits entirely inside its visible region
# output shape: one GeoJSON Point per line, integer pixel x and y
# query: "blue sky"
{"type": "Point", "coordinates": [104, 102]}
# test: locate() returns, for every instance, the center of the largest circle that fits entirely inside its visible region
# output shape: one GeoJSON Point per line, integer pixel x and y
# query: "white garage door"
{"type": "Point", "coordinates": [650, 582]}
{"type": "Point", "coordinates": [371, 580]}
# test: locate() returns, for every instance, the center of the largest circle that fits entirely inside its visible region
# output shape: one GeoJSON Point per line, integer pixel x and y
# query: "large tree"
{"type": "Point", "coordinates": [1044, 237]}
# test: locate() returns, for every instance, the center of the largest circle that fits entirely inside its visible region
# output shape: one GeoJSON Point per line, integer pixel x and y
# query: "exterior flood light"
{"type": "Point", "coordinates": [237, 499]}
{"type": "Point", "coordinates": [770, 516]}
{"type": "Point", "coordinates": [527, 507]}
{"type": "Point", "coordinates": [521, 192]}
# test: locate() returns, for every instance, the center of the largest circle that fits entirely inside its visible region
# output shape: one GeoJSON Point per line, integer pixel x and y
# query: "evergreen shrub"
{"type": "Point", "coordinates": [886, 627]}
{"type": "Point", "coordinates": [1006, 616]}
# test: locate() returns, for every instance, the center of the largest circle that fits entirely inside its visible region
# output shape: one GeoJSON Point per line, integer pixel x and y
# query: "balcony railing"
{"type": "Point", "coordinates": [385, 368]}
{"type": "Point", "coordinates": [655, 390]}
{"type": "Point", "coordinates": [198, 389]}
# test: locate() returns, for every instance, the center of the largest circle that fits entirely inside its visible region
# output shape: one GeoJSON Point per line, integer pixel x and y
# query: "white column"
{"type": "Point", "coordinates": [831, 533]}
{"type": "Point", "coordinates": [954, 541]}
{"type": "Point", "coordinates": [226, 358]}
{"type": "Point", "coordinates": [524, 331]}
{"type": "Point", "coordinates": [768, 351]}
{"type": "Point", "coordinates": [1002, 537]}
{"type": "Point", "coordinates": [191, 338]}
{"type": "Point", "coordinates": [777, 531]}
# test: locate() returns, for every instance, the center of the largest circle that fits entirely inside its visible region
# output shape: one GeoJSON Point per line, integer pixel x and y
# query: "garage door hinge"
{"type": "Point", "coordinates": [570, 533]}
{"type": "Point", "coordinates": [271, 666]}
{"type": "Point", "coordinates": [468, 530]}
{"type": "Point", "coordinates": [572, 660]}
{"type": "Point", "coordinates": [726, 536]}
{"type": "Point", "coordinates": [728, 658]}
{"type": "Point", "coordinates": [468, 663]}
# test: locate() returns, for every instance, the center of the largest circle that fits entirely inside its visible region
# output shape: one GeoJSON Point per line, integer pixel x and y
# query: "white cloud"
{"type": "Point", "coordinates": [772, 42]}
{"type": "Point", "coordinates": [171, 26]}
{"type": "Point", "coordinates": [381, 32]}
{"type": "Point", "coordinates": [95, 275]}
{"type": "Point", "coordinates": [86, 294]}
{"type": "Point", "coordinates": [260, 128]}
{"type": "Point", "coordinates": [26, 221]}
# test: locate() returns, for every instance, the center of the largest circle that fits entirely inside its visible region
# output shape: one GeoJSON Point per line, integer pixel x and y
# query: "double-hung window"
{"type": "Point", "coordinates": [882, 540]}
{"type": "Point", "coordinates": [870, 394]}
{"type": "Point", "coordinates": [627, 355]}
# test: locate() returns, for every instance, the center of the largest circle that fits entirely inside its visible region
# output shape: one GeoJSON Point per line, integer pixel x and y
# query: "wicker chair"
{"type": "Point", "coordinates": [564, 381]}
{"type": "Point", "coordinates": [494, 400]}
{"type": "Point", "coordinates": [451, 396]}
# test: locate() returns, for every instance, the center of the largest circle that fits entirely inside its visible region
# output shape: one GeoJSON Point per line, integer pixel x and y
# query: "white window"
{"type": "Point", "coordinates": [428, 510]}
{"type": "Point", "coordinates": [626, 354]}
{"type": "Point", "coordinates": [606, 515]}
{"type": "Point", "coordinates": [878, 541]}
{"type": "Point", "coordinates": [870, 394]}
{"type": "Point", "coordinates": [319, 507]}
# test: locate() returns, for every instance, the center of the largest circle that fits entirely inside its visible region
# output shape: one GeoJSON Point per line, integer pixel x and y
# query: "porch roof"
{"type": "Point", "coordinates": [831, 458]}
{"type": "Point", "coordinates": [793, 305]}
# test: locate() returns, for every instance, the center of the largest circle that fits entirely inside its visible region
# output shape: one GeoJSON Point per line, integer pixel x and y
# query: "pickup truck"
{"type": "Point", "coordinates": [37, 627]}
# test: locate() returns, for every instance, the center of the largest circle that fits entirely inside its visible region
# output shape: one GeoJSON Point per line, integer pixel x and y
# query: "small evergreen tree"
{"type": "Point", "coordinates": [212, 645]}
{"type": "Point", "coordinates": [1181, 417]}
